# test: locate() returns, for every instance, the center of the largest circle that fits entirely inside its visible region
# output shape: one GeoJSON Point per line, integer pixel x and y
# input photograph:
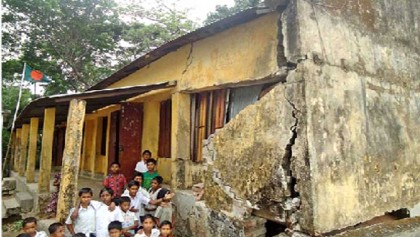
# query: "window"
{"type": "Point", "coordinates": [164, 147]}
{"type": "Point", "coordinates": [211, 110]}
{"type": "Point", "coordinates": [207, 115]}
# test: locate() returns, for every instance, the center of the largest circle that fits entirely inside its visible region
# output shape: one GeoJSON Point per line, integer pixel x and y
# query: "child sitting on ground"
{"type": "Point", "coordinates": [56, 230]}
{"type": "Point", "coordinates": [164, 210]}
{"type": "Point", "coordinates": [150, 174]}
{"type": "Point", "coordinates": [115, 229]}
{"type": "Point", "coordinates": [141, 166]}
{"type": "Point", "coordinates": [131, 221]}
{"type": "Point", "coordinates": [166, 229]}
{"type": "Point", "coordinates": [148, 227]}
{"type": "Point", "coordinates": [29, 226]}
{"type": "Point", "coordinates": [115, 180]}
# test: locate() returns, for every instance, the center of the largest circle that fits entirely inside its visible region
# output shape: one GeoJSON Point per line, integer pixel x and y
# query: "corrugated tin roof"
{"type": "Point", "coordinates": [173, 45]}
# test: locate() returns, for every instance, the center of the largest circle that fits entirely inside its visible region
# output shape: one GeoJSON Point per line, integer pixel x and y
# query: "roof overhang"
{"type": "Point", "coordinates": [95, 99]}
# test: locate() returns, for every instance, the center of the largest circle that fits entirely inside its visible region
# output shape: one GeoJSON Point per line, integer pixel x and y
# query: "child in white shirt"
{"type": "Point", "coordinates": [29, 226]}
{"type": "Point", "coordinates": [131, 221]}
{"type": "Point", "coordinates": [148, 227]}
{"type": "Point", "coordinates": [141, 165]}
{"type": "Point", "coordinates": [103, 215]}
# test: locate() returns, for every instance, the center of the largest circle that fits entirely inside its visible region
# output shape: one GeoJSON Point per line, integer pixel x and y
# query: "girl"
{"type": "Point", "coordinates": [52, 205]}
{"type": "Point", "coordinates": [148, 230]}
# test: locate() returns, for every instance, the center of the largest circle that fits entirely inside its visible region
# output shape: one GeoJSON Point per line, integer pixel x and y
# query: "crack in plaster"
{"type": "Point", "coordinates": [189, 59]}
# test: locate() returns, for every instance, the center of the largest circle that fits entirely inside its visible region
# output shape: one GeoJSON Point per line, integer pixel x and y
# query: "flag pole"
{"type": "Point", "coordinates": [14, 117]}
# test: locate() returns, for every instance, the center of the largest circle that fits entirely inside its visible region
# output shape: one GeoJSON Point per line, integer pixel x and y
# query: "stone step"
{"type": "Point", "coordinates": [3, 212]}
{"type": "Point", "coordinates": [8, 184]}
{"type": "Point", "coordinates": [25, 200]}
{"type": "Point", "coordinates": [11, 206]}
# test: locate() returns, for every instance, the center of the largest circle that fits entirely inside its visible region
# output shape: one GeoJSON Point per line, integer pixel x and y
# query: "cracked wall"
{"type": "Point", "coordinates": [249, 161]}
{"type": "Point", "coordinates": [359, 61]}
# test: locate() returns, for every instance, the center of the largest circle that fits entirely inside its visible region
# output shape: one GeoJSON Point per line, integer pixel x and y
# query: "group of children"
{"type": "Point", "coordinates": [114, 229]}
{"type": "Point", "coordinates": [139, 208]}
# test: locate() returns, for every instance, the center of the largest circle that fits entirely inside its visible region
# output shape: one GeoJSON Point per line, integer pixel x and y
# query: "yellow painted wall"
{"type": "Point", "coordinates": [151, 127]}
{"type": "Point", "coordinates": [101, 160]}
{"type": "Point", "coordinates": [88, 140]}
{"type": "Point", "coordinates": [244, 52]}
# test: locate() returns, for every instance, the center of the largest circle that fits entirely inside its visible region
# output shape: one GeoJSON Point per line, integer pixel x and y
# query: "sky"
{"type": "Point", "coordinates": [198, 9]}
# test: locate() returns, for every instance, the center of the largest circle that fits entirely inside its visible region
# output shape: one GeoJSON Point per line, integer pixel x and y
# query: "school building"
{"type": "Point", "coordinates": [296, 116]}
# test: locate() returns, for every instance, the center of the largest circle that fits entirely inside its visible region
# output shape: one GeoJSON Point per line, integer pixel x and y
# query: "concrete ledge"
{"type": "Point", "coordinates": [184, 200]}
{"type": "Point", "coordinates": [11, 206]}
{"type": "Point", "coordinates": [409, 227]}
{"type": "Point", "coordinates": [25, 200]}
{"type": "Point", "coordinates": [8, 184]}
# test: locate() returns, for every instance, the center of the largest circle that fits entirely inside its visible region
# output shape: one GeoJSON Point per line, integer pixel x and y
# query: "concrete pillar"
{"type": "Point", "coordinates": [12, 151]}
{"type": "Point", "coordinates": [24, 149]}
{"type": "Point", "coordinates": [180, 139]}
{"type": "Point", "coordinates": [92, 149]}
{"type": "Point", "coordinates": [46, 150]}
{"type": "Point", "coordinates": [71, 158]}
{"type": "Point", "coordinates": [16, 145]}
{"type": "Point", "coordinates": [33, 135]}
{"type": "Point", "coordinates": [17, 150]}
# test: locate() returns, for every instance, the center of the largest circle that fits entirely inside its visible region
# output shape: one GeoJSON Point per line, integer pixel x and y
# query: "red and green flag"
{"type": "Point", "coordinates": [34, 76]}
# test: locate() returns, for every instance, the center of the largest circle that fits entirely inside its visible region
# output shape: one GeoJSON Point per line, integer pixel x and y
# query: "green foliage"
{"type": "Point", "coordinates": [223, 11]}
{"type": "Point", "coordinates": [78, 43]}
{"type": "Point", "coordinates": [65, 39]}
{"type": "Point", "coordinates": [148, 29]}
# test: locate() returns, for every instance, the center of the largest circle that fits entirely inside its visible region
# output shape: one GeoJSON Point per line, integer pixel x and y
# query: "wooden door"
{"type": "Point", "coordinates": [130, 134]}
{"type": "Point", "coordinates": [113, 143]}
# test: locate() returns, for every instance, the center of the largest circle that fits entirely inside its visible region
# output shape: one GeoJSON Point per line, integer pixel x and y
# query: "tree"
{"type": "Point", "coordinates": [74, 40]}
{"type": "Point", "coordinates": [223, 11]}
{"type": "Point", "coordinates": [79, 42]}
{"type": "Point", "coordinates": [149, 28]}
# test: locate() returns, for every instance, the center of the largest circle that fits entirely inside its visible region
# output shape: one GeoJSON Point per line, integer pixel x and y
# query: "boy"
{"type": "Point", "coordinates": [137, 198]}
{"type": "Point", "coordinates": [155, 190]}
{"type": "Point", "coordinates": [103, 215]}
{"type": "Point", "coordinates": [29, 226]}
{"type": "Point", "coordinates": [131, 221]}
{"type": "Point", "coordinates": [82, 218]}
{"type": "Point", "coordinates": [56, 230]}
{"type": "Point", "coordinates": [115, 180]}
{"type": "Point", "coordinates": [150, 174]}
{"type": "Point", "coordinates": [141, 166]}
{"type": "Point", "coordinates": [142, 192]}
{"type": "Point", "coordinates": [115, 229]}
{"type": "Point", "coordinates": [166, 229]}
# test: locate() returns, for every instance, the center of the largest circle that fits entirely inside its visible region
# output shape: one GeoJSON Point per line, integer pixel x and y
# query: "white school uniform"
{"type": "Point", "coordinates": [142, 193]}
{"type": "Point", "coordinates": [103, 217]}
{"type": "Point", "coordinates": [41, 234]}
{"type": "Point", "coordinates": [155, 233]}
{"type": "Point", "coordinates": [137, 201]}
{"type": "Point", "coordinates": [85, 222]}
{"type": "Point", "coordinates": [141, 167]}
{"type": "Point", "coordinates": [129, 219]}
